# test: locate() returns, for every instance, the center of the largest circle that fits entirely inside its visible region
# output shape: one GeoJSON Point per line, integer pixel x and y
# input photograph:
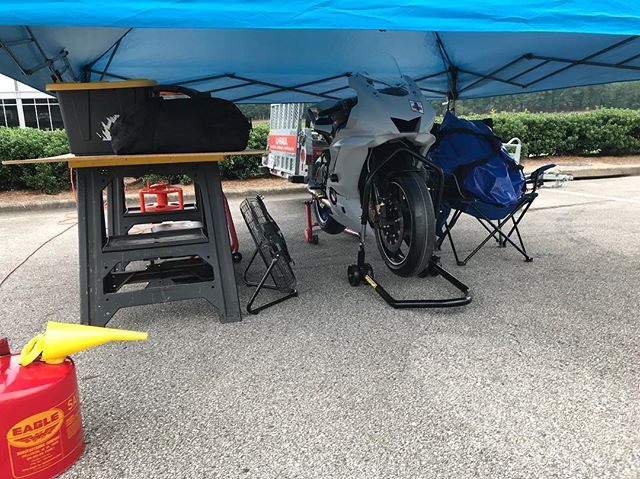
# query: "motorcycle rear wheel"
{"type": "Point", "coordinates": [325, 220]}
{"type": "Point", "coordinates": [406, 236]}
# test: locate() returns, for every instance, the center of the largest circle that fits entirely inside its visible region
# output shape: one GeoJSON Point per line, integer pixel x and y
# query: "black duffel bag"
{"type": "Point", "coordinates": [196, 124]}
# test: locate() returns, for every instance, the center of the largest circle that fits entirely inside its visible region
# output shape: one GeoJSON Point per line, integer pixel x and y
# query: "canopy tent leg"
{"type": "Point", "coordinates": [46, 62]}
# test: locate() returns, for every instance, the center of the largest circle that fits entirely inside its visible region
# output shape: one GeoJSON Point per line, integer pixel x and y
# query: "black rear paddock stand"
{"type": "Point", "coordinates": [362, 273]}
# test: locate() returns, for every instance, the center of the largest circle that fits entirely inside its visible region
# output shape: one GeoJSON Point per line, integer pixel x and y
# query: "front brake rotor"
{"type": "Point", "coordinates": [391, 224]}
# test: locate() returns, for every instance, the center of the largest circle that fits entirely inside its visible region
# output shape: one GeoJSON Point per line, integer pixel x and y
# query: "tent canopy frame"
{"type": "Point", "coordinates": [451, 70]}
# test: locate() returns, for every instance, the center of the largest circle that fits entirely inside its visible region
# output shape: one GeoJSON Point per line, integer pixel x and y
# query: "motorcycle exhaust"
{"type": "Point", "coordinates": [326, 202]}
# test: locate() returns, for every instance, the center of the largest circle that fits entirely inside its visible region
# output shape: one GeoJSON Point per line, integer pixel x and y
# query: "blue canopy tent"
{"type": "Point", "coordinates": [291, 51]}
{"type": "Point", "coordinates": [286, 51]}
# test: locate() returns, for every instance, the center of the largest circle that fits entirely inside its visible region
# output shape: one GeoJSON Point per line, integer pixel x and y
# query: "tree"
{"type": "Point", "coordinates": [616, 95]}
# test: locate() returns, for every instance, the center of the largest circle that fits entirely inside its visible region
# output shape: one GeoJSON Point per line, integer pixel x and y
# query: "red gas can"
{"type": "Point", "coordinates": [40, 424]}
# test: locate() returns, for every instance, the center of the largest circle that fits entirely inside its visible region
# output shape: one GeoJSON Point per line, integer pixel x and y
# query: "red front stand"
{"type": "Point", "coordinates": [309, 236]}
{"type": "Point", "coordinates": [163, 190]}
{"type": "Point", "coordinates": [233, 236]}
{"type": "Point", "coordinates": [308, 231]}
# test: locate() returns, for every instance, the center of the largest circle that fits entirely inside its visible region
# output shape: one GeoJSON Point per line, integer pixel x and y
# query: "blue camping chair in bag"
{"type": "Point", "coordinates": [481, 180]}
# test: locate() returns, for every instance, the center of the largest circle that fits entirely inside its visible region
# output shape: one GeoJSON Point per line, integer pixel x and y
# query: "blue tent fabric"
{"type": "Point", "coordinates": [291, 51]}
{"type": "Point", "coordinates": [618, 17]}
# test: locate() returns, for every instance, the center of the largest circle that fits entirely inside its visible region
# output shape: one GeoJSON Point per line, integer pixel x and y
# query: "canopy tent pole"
{"type": "Point", "coordinates": [278, 88]}
{"type": "Point", "coordinates": [584, 60]}
{"type": "Point", "coordinates": [545, 60]}
{"type": "Point", "coordinates": [427, 77]}
{"type": "Point", "coordinates": [206, 78]}
{"type": "Point", "coordinates": [528, 70]}
{"type": "Point", "coordinates": [88, 68]}
{"type": "Point", "coordinates": [463, 80]}
{"type": "Point", "coordinates": [57, 74]}
{"type": "Point", "coordinates": [453, 71]}
{"type": "Point", "coordinates": [113, 54]}
{"type": "Point", "coordinates": [488, 76]}
{"type": "Point", "coordinates": [452, 74]}
{"type": "Point", "coordinates": [620, 65]}
{"type": "Point", "coordinates": [492, 76]}
{"type": "Point", "coordinates": [296, 87]}
{"type": "Point", "coordinates": [230, 87]}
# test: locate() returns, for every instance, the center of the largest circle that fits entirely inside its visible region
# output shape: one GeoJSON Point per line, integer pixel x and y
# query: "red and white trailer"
{"type": "Point", "coordinates": [290, 143]}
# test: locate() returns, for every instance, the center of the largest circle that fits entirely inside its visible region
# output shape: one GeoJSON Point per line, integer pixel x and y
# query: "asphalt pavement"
{"type": "Point", "coordinates": [537, 377]}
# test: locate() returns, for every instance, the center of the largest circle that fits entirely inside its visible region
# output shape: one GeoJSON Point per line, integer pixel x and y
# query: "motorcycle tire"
{"type": "Point", "coordinates": [414, 204]}
{"type": "Point", "coordinates": [325, 221]}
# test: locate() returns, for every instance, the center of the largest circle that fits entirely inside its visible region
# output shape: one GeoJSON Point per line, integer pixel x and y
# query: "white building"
{"type": "Point", "coordinates": [21, 105]}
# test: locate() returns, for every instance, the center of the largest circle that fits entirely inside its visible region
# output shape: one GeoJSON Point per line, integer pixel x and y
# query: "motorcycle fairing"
{"type": "Point", "coordinates": [376, 118]}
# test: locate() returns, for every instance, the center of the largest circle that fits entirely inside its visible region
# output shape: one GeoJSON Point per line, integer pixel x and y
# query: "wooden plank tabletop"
{"type": "Point", "coordinates": [123, 160]}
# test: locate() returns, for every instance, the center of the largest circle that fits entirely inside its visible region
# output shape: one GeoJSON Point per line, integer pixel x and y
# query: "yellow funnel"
{"type": "Point", "coordinates": [63, 339]}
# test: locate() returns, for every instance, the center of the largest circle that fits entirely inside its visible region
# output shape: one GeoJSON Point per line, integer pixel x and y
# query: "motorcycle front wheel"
{"type": "Point", "coordinates": [405, 231]}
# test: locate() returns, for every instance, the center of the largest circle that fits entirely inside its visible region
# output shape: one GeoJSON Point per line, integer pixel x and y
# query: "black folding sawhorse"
{"type": "Point", "coordinates": [119, 270]}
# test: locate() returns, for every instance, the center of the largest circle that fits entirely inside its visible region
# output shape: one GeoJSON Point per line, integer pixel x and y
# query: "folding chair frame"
{"type": "Point", "coordinates": [495, 228]}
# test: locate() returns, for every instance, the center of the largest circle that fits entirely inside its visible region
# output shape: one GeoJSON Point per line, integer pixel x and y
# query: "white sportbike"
{"type": "Point", "coordinates": [374, 171]}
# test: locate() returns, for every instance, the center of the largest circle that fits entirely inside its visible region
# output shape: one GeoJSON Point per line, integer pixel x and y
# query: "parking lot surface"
{"type": "Point", "coordinates": [537, 377]}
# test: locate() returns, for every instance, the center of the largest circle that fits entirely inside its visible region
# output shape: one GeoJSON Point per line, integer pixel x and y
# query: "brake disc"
{"type": "Point", "coordinates": [391, 224]}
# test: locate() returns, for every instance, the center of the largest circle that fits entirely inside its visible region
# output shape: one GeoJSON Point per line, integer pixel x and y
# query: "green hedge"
{"type": "Point", "coordinates": [598, 132]}
{"type": "Point", "coordinates": [243, 167]}
{"type": "Point", "coordinates": [23, 143]}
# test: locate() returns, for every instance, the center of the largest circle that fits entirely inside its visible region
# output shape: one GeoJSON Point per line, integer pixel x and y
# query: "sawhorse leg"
{"type": "Point", "coordinates": [216, 224]}
{"type": "Point", "coordinates": [91, 235]}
